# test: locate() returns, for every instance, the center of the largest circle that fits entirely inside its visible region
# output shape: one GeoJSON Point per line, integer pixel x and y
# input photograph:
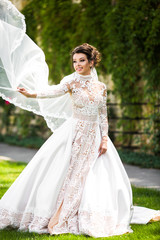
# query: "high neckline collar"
{"type": "Point", "coordinates": [84, 77]}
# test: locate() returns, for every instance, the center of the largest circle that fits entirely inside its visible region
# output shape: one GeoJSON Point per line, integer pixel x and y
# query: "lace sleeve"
{"type": "Point", "coordinates": [103, 115]}
{"type": "Point", "coordinates": [54, 91]}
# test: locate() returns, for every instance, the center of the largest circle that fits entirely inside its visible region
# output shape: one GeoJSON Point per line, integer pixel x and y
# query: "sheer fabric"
{"type": "Point", "coordinates": [66, 187]}
{"type": "Point", "coordinates": [22, 64]}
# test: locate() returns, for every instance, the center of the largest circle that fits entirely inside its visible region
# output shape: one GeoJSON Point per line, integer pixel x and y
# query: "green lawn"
{"type": "Point", "coordinates": [142, 197]}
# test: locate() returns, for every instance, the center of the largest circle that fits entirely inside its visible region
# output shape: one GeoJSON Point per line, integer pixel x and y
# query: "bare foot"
{"type": "Point", "coordinates": [156, 218]}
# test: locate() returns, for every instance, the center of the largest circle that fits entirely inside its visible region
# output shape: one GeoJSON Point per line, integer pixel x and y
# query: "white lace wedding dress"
{"type": "Point", "coordinates": [65, 182]}
{"type": "Point", "coordinates": [66, 187]}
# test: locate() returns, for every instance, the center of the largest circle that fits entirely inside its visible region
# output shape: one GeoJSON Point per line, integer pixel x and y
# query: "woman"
{"type": "Point", "coordinates": [76, 182]}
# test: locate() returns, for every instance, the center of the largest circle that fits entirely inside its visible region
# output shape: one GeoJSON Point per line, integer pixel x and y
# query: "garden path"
{"type": "Point", "coordinates": [140, 177]}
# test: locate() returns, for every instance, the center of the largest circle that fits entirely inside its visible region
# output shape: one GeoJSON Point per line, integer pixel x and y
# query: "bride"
{"type": "Point", "coordinates": [76, 182]}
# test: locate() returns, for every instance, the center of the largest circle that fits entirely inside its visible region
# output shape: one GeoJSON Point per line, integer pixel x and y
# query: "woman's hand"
{"type": "Point", "coordinates": [26, 93]}
{"type": "Point", "coordinates": [103, 147]}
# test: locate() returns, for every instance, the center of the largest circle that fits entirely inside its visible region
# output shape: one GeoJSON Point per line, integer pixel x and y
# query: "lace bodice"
{"type": "Point", "coordinates": [88, 98]}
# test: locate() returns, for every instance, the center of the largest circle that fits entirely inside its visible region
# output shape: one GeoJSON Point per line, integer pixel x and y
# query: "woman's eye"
{"type": "Point", "coordinates": [82, 60]}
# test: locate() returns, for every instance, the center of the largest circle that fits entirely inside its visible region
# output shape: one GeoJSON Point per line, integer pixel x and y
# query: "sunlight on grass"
{"type": "Point", "coordinates": [142, 197]}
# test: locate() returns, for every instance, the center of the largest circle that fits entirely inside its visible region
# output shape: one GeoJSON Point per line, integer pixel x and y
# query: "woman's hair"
{"type": "Point", "coordinates": [91, 52]}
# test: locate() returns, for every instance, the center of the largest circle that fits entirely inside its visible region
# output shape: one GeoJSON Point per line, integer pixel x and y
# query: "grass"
{"type": "Point", "coordinates": [142, 197]}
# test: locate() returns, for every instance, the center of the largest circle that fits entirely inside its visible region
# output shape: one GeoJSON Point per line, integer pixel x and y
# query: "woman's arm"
{"type": "Point", "coordinates": [103, 124]}
{"type": "Point", "coordinates": [49, 92]}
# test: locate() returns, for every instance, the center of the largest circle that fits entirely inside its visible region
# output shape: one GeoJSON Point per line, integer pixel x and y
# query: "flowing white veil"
{"type": "Point", "coordinates": [22, 63]}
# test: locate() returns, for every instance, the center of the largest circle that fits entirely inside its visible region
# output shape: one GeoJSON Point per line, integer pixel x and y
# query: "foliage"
{"type": "Point", "coordinates": [7, 111]}
{"type": "Point", "coordinates": [56, 24]}
{"type": "Point", "coordinates": [126, 32]}
{"type": "Point", "coordinates": [29, 142]}
{"type": "Point", "coordinates": [140, 159]}
{"type": "Point", "coordinates": [133, 57]}
{"type": "Point", "coordinates": [142, 197]}
{"type": "Point", "coordinates": [19, 124]}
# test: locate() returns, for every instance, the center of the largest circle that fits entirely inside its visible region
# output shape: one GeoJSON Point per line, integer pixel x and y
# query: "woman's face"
{"type": "Point", "coordinates": [81, 64]}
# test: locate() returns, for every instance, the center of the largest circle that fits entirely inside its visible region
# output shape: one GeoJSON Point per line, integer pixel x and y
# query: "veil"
{"type": "Point", "coordinates": [22, 64]}
{"type": "Point", "coordinates": [94, 74]}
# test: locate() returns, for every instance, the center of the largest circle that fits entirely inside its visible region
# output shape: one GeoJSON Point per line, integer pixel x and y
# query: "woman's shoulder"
{"type": "Point", "coordinates": [102, 85]}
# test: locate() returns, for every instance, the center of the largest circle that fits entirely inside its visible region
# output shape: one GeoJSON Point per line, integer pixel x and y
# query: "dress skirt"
{"type": "Point", "coordinates": [67, 188]}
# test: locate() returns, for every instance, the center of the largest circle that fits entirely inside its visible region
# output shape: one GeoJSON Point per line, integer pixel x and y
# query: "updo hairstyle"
{"type": "Point", "coordinates": [91, 52]}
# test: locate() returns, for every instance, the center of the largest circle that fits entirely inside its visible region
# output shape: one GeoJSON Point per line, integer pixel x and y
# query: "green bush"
{"type": "Point", "coordinates": [30, 142]}
{"type": "Point", "coordinates": [140, 159]}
